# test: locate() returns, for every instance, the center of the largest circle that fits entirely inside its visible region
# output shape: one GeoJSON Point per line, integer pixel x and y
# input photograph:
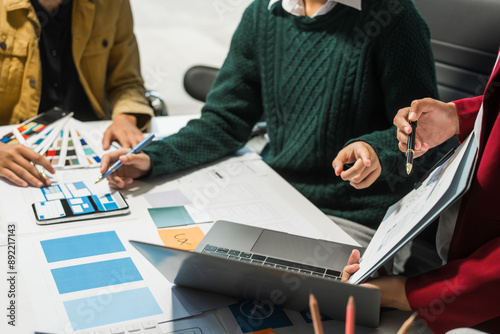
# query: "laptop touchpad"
{"type": "Point", "coordinates": [299, 249]}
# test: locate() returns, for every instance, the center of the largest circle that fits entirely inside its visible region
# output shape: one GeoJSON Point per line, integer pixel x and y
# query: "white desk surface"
{"type": "Point", "coordinates": [25, 314]}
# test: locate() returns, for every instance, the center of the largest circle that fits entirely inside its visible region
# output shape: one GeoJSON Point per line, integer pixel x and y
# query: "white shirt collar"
{"type": "Point", "coordinates": [296, 7]}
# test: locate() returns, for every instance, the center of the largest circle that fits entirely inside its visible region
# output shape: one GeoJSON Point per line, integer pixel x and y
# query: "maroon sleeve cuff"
{"type": "Point", "coordinates": [467, 110]}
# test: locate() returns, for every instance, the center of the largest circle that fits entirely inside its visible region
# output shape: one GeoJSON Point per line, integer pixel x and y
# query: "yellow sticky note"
{"type": "Point", "coordinates": [182, 238]}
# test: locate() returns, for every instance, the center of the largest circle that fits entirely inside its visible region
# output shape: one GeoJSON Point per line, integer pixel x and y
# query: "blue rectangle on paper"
{"type": "Point", "coordinates": [171, 216]}
{"type": "Point", "coordinates": [80, 185]}
{"type": "Point", "coordinates": [98, 203]}
{"type": "Point", "coordinates": [83, 205]}
{"type": "Point", "coordinates": [112, 308]}
{"type": "Point", "coordinates": [110, 206]}
{"type": "Point", "coordinates": [95, 275]}
{"type": "Point", "coordinates": [79, 246]}
{"type": "Point", "coordinates": [51, 190]}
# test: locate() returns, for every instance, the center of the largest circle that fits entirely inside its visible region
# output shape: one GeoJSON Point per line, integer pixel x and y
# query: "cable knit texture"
{"type": "Point", "coordinates": [320, 83]}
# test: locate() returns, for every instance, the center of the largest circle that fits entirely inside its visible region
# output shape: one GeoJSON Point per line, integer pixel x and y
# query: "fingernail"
{"type": "Point", "coordinates": [412, 115]}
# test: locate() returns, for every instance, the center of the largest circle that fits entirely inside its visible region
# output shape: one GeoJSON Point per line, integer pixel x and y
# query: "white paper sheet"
{"type": "Point", "coordinates": [49, 302]}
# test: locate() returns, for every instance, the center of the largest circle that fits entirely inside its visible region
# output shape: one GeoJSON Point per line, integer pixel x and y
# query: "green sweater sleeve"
{"type": "Point", "coordinates": [403, 52]}
{"type": "Point", "coordinates": [233, 106]}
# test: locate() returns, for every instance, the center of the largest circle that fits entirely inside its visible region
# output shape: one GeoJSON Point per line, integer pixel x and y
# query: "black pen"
{"type": "Point", "coordinates": [410, 148]}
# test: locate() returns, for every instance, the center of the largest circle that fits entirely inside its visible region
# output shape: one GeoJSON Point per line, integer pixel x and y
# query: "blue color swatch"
{"type": "Point", "coordinates": [111, 308]}
{"type": "Point", "coordinates": [79, 246]}
{"type": "Point", "coordinates": [95, 275]}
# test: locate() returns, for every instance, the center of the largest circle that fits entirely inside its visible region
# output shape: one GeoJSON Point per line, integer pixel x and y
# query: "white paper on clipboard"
{"type": "Point", "coordinates": [410, 215]}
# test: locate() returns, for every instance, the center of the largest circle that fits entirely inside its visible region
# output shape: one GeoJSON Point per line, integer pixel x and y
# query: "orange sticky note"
{"type": "Point", "coordinates": [264, 331]}
{"type": "Point", "coordinates": [182, 238]}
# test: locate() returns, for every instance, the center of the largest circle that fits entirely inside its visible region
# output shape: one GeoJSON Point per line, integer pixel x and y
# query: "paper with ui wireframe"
{"type": "Point", "coordinates": [182, 238]}
{"type": "Point", "coordinates": [167, 198]}
{"type": "Point", "coordinates": [169, 217]}
{"type": "Point", "coordinates": [410, 214]}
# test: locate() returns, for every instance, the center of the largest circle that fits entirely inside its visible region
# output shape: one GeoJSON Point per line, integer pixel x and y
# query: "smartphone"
{"type": "Point", "coordinates": [79, 208]}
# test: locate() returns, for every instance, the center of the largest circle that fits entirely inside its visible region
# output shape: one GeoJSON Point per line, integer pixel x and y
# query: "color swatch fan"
{"type": "Point", "coordinates": [36, 130]}
{"type": "Point", "coordinates": [61, 139]}
{"type": "Point", "coordinates": [71, 147]}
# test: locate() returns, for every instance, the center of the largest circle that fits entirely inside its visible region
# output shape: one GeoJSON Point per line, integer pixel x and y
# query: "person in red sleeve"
{"type": "Point", "coordinates": [465, 291]}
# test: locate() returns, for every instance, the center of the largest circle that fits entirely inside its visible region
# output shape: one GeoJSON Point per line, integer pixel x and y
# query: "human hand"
{"type": "Point", "coordinates": [392, 288]}
{"type": "Point", "coordinates": [16, 166]}
{"type": "Point", "coordinates": [352, 265]}
{"type": "Point", "coordinates": [437, 122]}
{"type": "Point", "coordinates": [134, 166]}
{"type": "Point", "coordinates": [124, 130]}
{"type": "Point", "coordinates": [366, 168]}
{"type": "Point", "coordinates": [392, 291]}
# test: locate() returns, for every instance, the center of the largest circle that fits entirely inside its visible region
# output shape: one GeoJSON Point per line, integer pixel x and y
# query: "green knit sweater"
{"type": "Point", "coordinates": [320, 83]}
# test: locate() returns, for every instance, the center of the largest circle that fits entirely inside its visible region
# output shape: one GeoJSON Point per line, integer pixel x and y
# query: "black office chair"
{"type": "Point", "coordinates": [157, 102]}
{"type": "Point", "coordinates": [465, 37]}
{"type": "Point", "coordinates": [198, 81]}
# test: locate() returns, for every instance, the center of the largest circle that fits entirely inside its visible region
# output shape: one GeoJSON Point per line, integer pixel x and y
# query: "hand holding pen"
{"type": "Point", "coordinates": [24, 167]}
{"type": "Point", "coordinates": [135, 164]}
{"type": "Point", "coordinates": [437, 122]}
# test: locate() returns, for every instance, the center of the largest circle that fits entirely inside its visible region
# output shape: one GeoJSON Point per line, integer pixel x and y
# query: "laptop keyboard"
{"type": "Point", "coordinates": [272, 262]}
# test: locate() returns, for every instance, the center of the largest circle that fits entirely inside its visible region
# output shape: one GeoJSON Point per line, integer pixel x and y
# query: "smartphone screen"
{"type": "Point", "coordinates": [78, 208]}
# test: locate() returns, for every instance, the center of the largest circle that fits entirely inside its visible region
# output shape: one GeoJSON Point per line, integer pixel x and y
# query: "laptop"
{"type": "Point", "coordinates": [268, 266]}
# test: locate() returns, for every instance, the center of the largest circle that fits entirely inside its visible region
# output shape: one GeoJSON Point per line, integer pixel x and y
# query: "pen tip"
{"type": "Point", "coordinates": [408, 168]}
{"type": "Point", "coordinates": [99, 179]}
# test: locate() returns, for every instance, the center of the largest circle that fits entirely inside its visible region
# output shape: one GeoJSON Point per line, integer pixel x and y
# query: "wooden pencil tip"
{"type": "Point", "coordinates": [350, 302]}
{"type": "Point", "coordinates": [405, 328]}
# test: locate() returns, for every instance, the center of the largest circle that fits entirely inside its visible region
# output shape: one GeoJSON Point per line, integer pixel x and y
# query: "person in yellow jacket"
{"type": "Point", "coordinates": [79, 55]}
